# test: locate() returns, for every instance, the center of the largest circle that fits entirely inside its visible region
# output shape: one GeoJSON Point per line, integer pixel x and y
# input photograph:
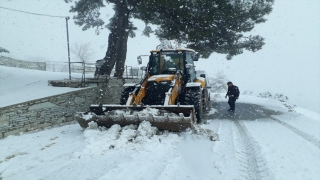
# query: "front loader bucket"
{"type": "Point", "coordinates": [172, 118]}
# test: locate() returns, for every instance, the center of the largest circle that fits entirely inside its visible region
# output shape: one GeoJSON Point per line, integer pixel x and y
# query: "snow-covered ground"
{"type": "Point", "coordinates": [282, 146]}
{"type": "Point", "coordinates": [260, 141]}
{"type": "Point", "coordinates": [288, 63]}
{"type": "Point", "coordinates": [19, 85]}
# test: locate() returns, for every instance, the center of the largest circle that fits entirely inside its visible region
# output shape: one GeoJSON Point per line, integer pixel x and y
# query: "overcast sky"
{"type": "Point", "coordinates": [289, 63]}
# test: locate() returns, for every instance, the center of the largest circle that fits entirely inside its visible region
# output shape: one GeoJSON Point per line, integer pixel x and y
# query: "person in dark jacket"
{"type": "Point", "coordinates": [233, 94]}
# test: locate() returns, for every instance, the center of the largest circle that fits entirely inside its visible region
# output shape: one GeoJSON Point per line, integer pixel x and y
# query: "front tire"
{"type": "Point", "coordinates": [125, 95]}
{"type": "Point", "coordinates": [205, 99]}
{"type": "Point", "coordinates": [193, 97]}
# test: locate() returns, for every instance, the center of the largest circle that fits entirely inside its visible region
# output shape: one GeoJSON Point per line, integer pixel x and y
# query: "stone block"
{"type": "Point", "coordinates": [26, 126]}
{"type": "Point", "coordinates": [43, 125]}
{"type": "Point", "coordinates": [79, 100]}
{"type": "Point", "coordinates": [68, 119]}
{"type": "Point", "coordinates": [4, 121]}
{"type": "Point", "coordinates": [4, 129]}
{"type": "Point", "coordinates": [59, 120]}
{"type": "Point", "coordinates": [69, 114]}
{"type": "Point", "coordinates": [31, 127]}
{"type": "Point", "coordinates": [47, 120]}
{"type": "Point", "coordinates": [43, 105]}
{"type": "Point", "coordinates": [19, 119]}
{"type": "Point", "coordinates": [115, 82]}
{"type": "Point", "coordinates": [13, 132]}
{"type": "Point", "coordinates": [6, 113]}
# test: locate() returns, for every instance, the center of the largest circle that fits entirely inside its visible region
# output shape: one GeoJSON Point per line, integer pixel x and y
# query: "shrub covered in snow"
{"type": "Point", "coordinates": [280, 97]}
{"type": "Point", "coordinates": [246, 92]}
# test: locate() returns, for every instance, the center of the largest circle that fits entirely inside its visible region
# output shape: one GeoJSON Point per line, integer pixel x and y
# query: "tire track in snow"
{"type": "Point", "coordinates": [254, 164]}
{"type": "Point", "coordinates": [302, 134]}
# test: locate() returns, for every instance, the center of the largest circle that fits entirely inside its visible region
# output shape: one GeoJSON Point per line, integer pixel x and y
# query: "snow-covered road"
{"type": "Point", "coordinates": [272, 145]}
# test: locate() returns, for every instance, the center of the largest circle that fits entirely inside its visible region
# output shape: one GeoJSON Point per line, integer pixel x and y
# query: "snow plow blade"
{"type": "Point", "coordinates": [172, 118]}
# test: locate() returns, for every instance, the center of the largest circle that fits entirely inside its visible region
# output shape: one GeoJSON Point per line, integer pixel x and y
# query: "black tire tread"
{"type": "Point", "coordinates": [193, 96]}
{"type": "Point", "coordinates": [125, 95]}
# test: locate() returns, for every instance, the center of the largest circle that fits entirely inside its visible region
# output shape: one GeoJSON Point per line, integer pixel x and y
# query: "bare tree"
{"type": "Point", "coordinates": [219, 82]}
{"type": "Point", "coordinates": [82, 50]}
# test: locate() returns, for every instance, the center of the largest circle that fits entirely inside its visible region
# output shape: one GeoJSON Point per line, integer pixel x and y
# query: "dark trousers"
{"type": "Point", "coordinates": [232, 103]}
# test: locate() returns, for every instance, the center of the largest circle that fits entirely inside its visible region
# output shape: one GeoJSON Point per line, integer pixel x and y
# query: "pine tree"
{"type": "Point", "coordinates": [208, 25]}
{"type": "Point", "coordinates": [204, 25]}
{"type": "Point", "coordinates": [120, 26]}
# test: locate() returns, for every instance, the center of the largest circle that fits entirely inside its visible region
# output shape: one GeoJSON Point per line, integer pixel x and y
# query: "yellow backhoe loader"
{"type": "Point", "coordinates": [170, 96]}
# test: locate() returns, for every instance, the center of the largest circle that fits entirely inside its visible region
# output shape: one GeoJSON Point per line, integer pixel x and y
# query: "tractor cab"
{"type": "Point", "coordinates": [171, 61]}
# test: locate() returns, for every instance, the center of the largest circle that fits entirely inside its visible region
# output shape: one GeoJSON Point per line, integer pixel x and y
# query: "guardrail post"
{"type": "Point", "coordinates": [84, 73]}
{"type": "Point", "coordinates": [126, 71]}
{"type": "Point", "coordinates": [67, 18]}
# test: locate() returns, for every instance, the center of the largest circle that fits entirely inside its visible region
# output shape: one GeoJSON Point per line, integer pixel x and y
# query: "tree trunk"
{"type": "Point", "coordinates": [110, 58]}
{"type": "Point", "coordinates": [120, 63]}
{"type": "Point", "coordinates": [117, 42]}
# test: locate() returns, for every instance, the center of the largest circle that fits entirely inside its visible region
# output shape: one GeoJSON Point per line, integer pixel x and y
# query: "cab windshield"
{"type": "Point", "coordinates": [167, 61]}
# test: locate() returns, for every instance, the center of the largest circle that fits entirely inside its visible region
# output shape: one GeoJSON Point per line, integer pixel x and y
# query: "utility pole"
{"type": "Point", "coordinates": [67, 18]}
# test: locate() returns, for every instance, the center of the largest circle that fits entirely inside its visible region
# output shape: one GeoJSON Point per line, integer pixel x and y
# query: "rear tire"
{"type": "Point", "coordinates": [125, 95]}
{"type": "Point", "coordinates": [193, 97]}
{"type": "Point", "coordinates": [205, 99]}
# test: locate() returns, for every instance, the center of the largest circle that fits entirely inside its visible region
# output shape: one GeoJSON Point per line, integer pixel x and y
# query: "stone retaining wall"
{"type": "Point", "coordinates": [54, 110]}
{"type": "Point", "coordinates": [6, 61]}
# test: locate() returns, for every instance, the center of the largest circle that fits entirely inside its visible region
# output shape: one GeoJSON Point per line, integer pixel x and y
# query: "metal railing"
{"type": "Point", "coordinates": [76, 67]}
{"type": "Point", "coordinates": [83, 70]}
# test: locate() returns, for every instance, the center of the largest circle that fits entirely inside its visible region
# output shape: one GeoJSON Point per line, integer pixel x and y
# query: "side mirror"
{"type": "Point", "coordinates": [172, 69]}
{"type": "Point", "coordinates": [196, 56]}
{"type": "Point", "coordinates": [143, 68]}
{"type": "Point", "coordinates": [139, 59]}
{"type": "Point", "coordinates": [203, 75]}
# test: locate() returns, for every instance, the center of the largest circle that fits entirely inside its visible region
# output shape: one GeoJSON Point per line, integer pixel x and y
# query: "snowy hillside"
{"type": "Point", "coordinates": [19, 85]}
{"type": "Point", "coordinates": [259, 146]}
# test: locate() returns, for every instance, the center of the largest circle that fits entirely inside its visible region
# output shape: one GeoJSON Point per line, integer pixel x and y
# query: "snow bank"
{"type": "Point", "coordinates": [101, 140]}
{"type": "Point", "coordinates": [212, 111]}
{"type": "Point", "coordinates": [247, 99]}
{"type": "Point", "coordinates": [308, 113]}
{"type": "Point", "coordinates": [20, 85]}
{"type": "Point", "coordinates": [145, 129]}
{"type": "Point", "coordinates": [129, 152]}
{"type": "Point", "coordinates": [86, 116]}
{"type": "Point", "coordinates": [145, 112]}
